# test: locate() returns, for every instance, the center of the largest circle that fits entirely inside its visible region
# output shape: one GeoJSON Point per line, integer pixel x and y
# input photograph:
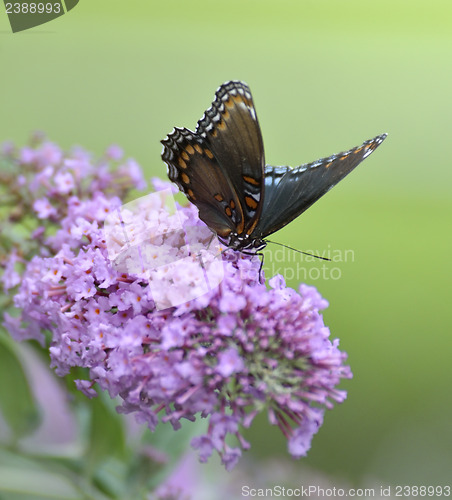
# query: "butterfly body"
{"type": "Point", "coordinates": [221, 169]}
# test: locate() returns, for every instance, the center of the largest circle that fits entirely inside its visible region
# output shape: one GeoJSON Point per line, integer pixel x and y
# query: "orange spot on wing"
{"type": "Point", "coordinates": [198, 148]}
{"type": "Point", "coordinates": [185, 178]}
{"type": "Point", "coordinates": [185, 155]}
{"type": "Point", "coordinates": [251, 180]}
{"type": "Point", "coordinates": [218, 197]}
{"type": "Point", "coordinates": [208, 153]}
{"type": "Point", "coordinates": [181, 163]}
{"type": "Point", "coordinates": [232, 204]}
{"type": "Point", "coordinates": [190, 149]}
{"type": "Point", "coordinates": [251, 202]}
{"type": "Point", "coordinates": [228, 211]}
{"type": "Point", "coordinates": [237, 99]}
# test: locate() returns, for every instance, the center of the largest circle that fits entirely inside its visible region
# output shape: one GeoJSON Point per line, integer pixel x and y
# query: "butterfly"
{"type": "Point", "coordinates": [221, 169]}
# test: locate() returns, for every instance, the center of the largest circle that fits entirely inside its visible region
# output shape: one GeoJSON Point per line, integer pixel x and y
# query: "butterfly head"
{"type": "Point", "coordinates": [245, 243]}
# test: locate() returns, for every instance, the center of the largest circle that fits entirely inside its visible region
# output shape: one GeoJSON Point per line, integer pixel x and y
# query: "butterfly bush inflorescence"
{"type": "Point", "coordinates": [227, 355]}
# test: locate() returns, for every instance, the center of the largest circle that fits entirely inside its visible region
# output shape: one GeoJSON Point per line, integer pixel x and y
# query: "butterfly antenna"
{"type": "Point", "coordinates": [299, 251]}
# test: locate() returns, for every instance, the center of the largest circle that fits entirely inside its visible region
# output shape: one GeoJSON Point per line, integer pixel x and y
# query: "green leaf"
{"type": "Point", "coordinates": [17, 404]}
{"type": "Point", "coordinates": [27, 478]}
{"type": "Point", "coordinates": [106, 433]}
{"type": "Point", "coordinates": [35, 484]}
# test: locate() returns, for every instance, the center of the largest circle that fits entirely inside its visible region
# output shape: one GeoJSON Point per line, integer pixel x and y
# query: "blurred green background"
{"type": "Point", "coordinates": [325, 76]}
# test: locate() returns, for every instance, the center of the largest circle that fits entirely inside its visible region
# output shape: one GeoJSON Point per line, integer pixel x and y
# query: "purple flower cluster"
{"type": "Point", "coordinates": [226, 355]}
{"type": "Point", "coordinates": [40, 185]}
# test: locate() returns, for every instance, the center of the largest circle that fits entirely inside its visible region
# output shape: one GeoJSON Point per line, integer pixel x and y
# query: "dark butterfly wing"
{"type": "Point", "coordinates": [231, 131]}
{"type": "Point", "coordinates": [193, 167]}
{"type": "Point", "coordinates": [290, 191]}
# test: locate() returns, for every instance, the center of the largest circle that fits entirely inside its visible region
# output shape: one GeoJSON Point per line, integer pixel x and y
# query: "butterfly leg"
{"type": "Point", "coordinates": [260, 268]}
{"type": "Point", "coordinates": [260, 254]}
